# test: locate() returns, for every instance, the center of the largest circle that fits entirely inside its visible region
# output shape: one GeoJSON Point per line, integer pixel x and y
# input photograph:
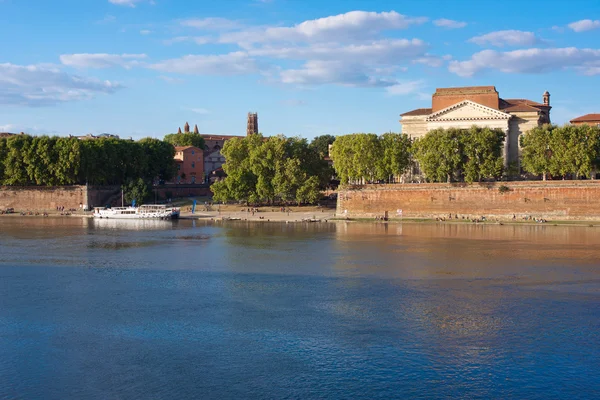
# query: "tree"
{"type": "Point", "coordinates": [439, 154]}
{"type": "Point", "coordinates": [160, 156]}
{"type": "Point", "coordinates": [266, 170]}
{"type": "Point", "coordinates": [575, 150]}
{"type": "Point", "coordinates": [482, 153]}
{"type": "Point", "coordinates": [16, 160]}
{"type": "Point", "coordinates": [185, 139]}
{"type": "Point", "coordinates": [321, 144]}
{"type": "Point", "coordinates": [396, 154]}
{"type": "Point", "coordinates": [536, 150]}
{"type": "Point", "coordinates": [358, 157]}
{"type": "Point", "coordinates": [138, 190]}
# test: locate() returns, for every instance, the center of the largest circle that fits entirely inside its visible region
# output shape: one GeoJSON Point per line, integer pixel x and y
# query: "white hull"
{"type": "Point", "coordinates": [143, 212]}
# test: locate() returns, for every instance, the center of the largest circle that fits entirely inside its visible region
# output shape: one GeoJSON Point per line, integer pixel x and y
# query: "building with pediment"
{"type": "Point", "coordinates": [463, 107]}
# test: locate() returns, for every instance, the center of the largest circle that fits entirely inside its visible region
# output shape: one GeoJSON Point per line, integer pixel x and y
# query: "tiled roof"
{"type": "Point", "coordinates": [587, 118]}
{"type": "Point", "coordinates": [220, 137]}
{"type": "Point", "coordinates": [523, 101]}
{"type": "Point", "coordinates": [6, 134]}
{"type": "Point", "coordinates": [182, 148]}
{"type": "Point", "coordinates": [418, 111]}
{"type": "Point", "coordinates": [520, 108]}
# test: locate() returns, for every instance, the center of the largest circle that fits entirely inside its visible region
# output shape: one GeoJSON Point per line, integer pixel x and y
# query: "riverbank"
{"type": "Point", "coordinates": [314, 214]}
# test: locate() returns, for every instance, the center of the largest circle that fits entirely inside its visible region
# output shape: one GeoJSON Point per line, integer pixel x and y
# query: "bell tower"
{"type": "Point", "coordinates": [546, 98]}
{"type": "Point", "coordinates": [252, 127]}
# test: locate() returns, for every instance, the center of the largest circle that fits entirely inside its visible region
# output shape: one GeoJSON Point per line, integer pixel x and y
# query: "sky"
{"type": "Point", "coordinates": [140, 68]}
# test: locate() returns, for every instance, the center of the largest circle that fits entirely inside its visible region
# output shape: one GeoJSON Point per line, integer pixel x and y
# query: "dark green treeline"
{"type": "Point", "coordinates": [50, 161]}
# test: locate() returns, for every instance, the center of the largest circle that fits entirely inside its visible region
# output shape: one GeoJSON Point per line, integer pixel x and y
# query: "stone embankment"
{"type": "Point", "coordinates": [551, 200]}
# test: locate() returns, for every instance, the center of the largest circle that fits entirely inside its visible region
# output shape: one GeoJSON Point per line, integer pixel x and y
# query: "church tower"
{"type": "Point", "coordinates": [546, 98]}
{"type": "Point", "coordinates": [252, 127]}
{"type": "Point", "coordinates": [196, 131]}
{"type": "Point", "coordinates": [186, 128]}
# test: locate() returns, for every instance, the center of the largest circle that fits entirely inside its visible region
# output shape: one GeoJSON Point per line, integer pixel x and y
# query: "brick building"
{"type": "Point", "coordinates": [588, 119]}
{"type": "Point", "coordinates": [190, 164]}
{"type": "Point", "coordinates": [213, 159]}
{"type": "Point", "coordinates": [463, 107]}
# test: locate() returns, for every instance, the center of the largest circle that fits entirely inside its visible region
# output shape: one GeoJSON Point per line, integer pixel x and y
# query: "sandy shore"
{"type": "Point", "coordinates": [292, 216]}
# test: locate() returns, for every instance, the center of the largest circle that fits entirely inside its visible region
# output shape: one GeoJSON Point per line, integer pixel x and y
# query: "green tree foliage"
{"type": "Point", "coordinates": [160, 159]}
{"type": "Point", "coordinates": [138, 189]}
{"type": "Point", "coordinates": [185, 139]}
{"type": "Point", "coordinates": [445, 155]}
{"type": "Point", "coordinates": [321, 144]}
{"type": "Point", "coordinates": [49, 161]}
{"type": "Point", "coordinates": [366, 157]}
{"type": "Point", "coordinates": [482, 153]}
{"type": "Point", "coordinates": [272, 169]}
{"type": "Point", "coordinates": [396, 153]}
{"type": "Point", "coordinates": [535, 150]}
{"type": "Point", "coordinates": [439, 154]}
{"type": "Point", "coordinates": [561, 151]}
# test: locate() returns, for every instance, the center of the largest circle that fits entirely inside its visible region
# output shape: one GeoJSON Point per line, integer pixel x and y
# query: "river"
{"type": "Point", "coordinates": [206, 310]}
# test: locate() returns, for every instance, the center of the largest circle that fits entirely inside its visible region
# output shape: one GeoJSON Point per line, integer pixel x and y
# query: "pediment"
{"type": "Point", "coordinates": [467, 110]}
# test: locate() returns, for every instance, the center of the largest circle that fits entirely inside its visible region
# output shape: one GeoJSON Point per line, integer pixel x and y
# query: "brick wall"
{"type": "Point", "coordinates": [42, 198]}
{"type": "Point", "coordinates": [553, 200]}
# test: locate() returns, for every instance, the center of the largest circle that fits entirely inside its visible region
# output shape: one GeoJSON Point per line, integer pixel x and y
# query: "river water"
{"type": "Point", "coordinates": [202, 310]}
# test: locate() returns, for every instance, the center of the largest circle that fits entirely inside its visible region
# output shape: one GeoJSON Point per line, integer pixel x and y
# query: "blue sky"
{"type": "Point", "coordinates": [144, 67]}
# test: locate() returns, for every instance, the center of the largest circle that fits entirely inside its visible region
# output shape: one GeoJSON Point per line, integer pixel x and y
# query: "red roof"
{"type": "Point", "coordinates": [221, 137]}
{"type": "Point", "coordinates": [183, 148]}
{"type": "Point", "coordinates": [587, 118]}
{"type": "Point", "coordinates": [418, 111]}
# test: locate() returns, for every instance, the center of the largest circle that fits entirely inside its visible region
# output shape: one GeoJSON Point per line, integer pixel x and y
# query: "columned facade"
{"type": "Point", "coordinates": [481, 106]}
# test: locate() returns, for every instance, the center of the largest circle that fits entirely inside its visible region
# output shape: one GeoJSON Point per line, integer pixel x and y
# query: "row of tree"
{"type": "Point", "coordinates": [271, 170]}
{"type": "Point", "coordinates": [561, 151]}
{"type": "Point", "coordinates": [442, 155]}
{"type": "Point", "coordinates": [49, 161]}
{"type": "Point", "coordinates": [470, 155]}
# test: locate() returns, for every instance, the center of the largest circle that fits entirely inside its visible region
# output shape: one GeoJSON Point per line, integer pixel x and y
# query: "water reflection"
{"type": "Point", "coordinates": [337, 310]}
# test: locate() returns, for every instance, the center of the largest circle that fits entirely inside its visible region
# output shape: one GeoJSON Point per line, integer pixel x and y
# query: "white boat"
{"type": "Point", "coordinates": [150, 211]}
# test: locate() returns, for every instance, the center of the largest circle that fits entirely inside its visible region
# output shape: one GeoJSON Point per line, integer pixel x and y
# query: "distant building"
{"type": "Point", "coordinates": [588, 119]}
{"type": "Point", "coordinates": [213, 159]}
{"type": "Point", "coordinates": [190, 164]}
{"type": "Point", "coordinates": [89, 136]}
{"type": "Point", "coordinates": [463, 107]}
{"type": "Point", "coordinates": [6, 134]}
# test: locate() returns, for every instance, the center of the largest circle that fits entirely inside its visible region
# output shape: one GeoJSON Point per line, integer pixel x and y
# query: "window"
{"type": "Point", "coordinates": [192, 152]}
{"type": "Point", "coordinates": [193, 165]}
{"type": "Point", "coordinates": [178, 167]}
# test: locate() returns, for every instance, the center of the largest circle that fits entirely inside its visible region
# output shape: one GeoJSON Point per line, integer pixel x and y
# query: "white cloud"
{"type": "Point", "coordinates": [32, 130]}
{"type": "Point", "coordinates": [101, 60]}
{"type": "Point", "coordinates": [316, 72]}
{"type": "Point", "coordinates": [128, 3]}
{"type": "Point", "coordinates": [404, 88]}
{"type": "Point", "coordinates": [449, 23]}
{"type": "Point", "coordinates": [387, 51]}
{"type": "Point", "coordinates": [195, 39]}
{"type": "Point", "coordinates": [507, 38]}
{"type": "Point", "coordinates": [530, 61]}
{"type": "Point", "coordinates": [170, 79]}
{"type": "Point", "coordinates": [352, 26]}
{"type": "Point", "coordinates": [237, 63]}
{"type": "Point", "coordinates": [108, 19]}
{"type": "Point", "coordinates": [584, 25]}
{"type": "Point", "coordinates": [145, 32]}
{"type": "Point", "coordinates": [41, 85]}
{"type": "Point", "coordinates": [211, 24]}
